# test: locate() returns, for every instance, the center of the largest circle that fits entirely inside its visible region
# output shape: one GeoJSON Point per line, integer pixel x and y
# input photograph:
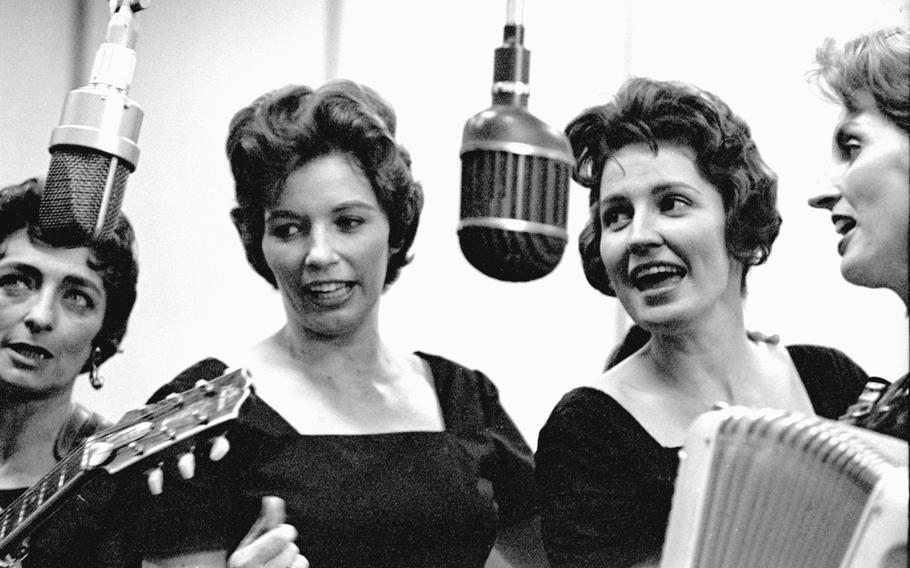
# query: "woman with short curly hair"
{"type": "Point", "coordinates": [381, 457]}
{"type": "Point", "coordinates": [63, 312]}
{"type": "Point", "coordinates": [682, 205]}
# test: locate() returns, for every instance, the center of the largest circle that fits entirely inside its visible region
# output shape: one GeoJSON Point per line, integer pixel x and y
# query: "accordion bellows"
{"type": "Point", "coordinates": [772, 489]}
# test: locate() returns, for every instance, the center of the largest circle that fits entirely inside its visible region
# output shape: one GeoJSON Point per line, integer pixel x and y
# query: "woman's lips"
{"type": "Point", "coordinates": [27, 356]}
{"type": "Point", "coordinates": [328, 293]}
{"type": "Point", "coordinates": [656, 276]}
{"type": "Point", "coordinates": [844, 226]}
{"type": "Point", "coordinates": [842, 244]}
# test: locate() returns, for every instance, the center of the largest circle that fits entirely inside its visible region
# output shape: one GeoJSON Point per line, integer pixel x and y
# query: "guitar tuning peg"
{"type": "Point", "coordinates": [155, 480]}
{"type": "Point", "coordinates": [220, 448]}
{"type": "Point", "coordinates": [207, 387]}
{"type": "Point", "coordinates": [187, 465]}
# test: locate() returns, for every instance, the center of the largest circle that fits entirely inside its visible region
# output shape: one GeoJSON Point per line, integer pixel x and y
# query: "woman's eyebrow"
{"type": "Point", "coordinates": [353, 204]}
{"type": "Point", "coordinates": [82, 282]}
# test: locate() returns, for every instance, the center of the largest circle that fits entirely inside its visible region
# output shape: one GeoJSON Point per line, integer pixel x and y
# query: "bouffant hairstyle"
{"type": "Point", "coordinates": [112, 257]}
{"type": "Point", "coordinates": [283, 130]}
{"type": "Point", "coordinates": [877, 63]}
{"type": "Point", "coordinates": [650, 112]}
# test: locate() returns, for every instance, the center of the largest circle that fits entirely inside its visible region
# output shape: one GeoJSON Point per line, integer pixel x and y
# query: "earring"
{"type": "Point", "coordinates": [94, 375]}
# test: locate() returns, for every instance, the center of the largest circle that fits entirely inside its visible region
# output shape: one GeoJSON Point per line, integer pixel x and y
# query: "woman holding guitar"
{"type": "Point", "coordinates": [63, 312]}
{"type": "Point", "coordinates": [381, 457]}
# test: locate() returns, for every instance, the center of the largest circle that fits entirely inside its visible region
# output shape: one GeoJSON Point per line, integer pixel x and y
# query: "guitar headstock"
{"type": "Point", "coordinates": [144, 432]}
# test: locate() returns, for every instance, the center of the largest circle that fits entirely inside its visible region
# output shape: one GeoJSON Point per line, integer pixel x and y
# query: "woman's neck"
{"type": "Point", "coordinates": [358, 356]}
{"type": "Point", "coordinates": [710, 355]}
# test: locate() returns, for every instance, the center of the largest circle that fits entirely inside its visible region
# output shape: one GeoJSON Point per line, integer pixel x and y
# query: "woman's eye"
{"type": "Point", "coordinates": [79, 300]}
{"type": "Point", "coordinates": [847, 144]}
{"type": "Point", "coordinates": [13, 283]}
{"type": "Point", "coordinates": [849, 148]}
{"type": "Point", "coordinates": [615, 218]}
{"type": "Point", "coordinates": [284, 231]}
{"type": "Point", "coordinates": [673, 203]}
{"type": "Point", "coordinates": [350, 223]}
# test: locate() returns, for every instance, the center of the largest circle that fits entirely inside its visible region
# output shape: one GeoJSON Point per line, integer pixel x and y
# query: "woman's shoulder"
{"type": "Point", "coordinates": [590, 425]}
{"type": "Point", "coordinates": [467, 396]}
{"type": "Point", "coordinates": [441, 362]}
{"type": "Point", "coordinates": [813, 351]}
{"type": "Point", "coordinates": [449, 374]}
{"type": "Point", "coordinates": [462, 391]}
{"type": "Point", "coordinates": [832, 379]}
{"type": "Point", "coordinates": [586, 407]}
{"type": "Point", "coordinates": [812, 360]}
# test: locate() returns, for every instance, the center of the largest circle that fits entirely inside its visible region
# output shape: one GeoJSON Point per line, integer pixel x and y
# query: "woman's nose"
{"type": "Point", "coordinates": [643, 234]}
{"type": "Point", "coordinates": [831, 189]}
{"type": "Point", "coordinates": [322, 251]}
{"type": "Point", "coordinates": [824, 201]}
{"type": "Point", "coordinates": [42, 313]}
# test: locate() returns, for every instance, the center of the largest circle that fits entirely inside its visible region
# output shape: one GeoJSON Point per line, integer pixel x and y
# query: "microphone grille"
{"type": "Point", "coordinates": [74, 193]}
{"type": "Point", "coordinates": [513, 213]}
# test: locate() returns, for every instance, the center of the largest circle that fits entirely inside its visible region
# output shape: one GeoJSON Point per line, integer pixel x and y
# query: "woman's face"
{"type": "Point", "coordinates": [662, 237]}
{"type": "Point", "coordinates": [326, 241]}
{"type": "Point", "coordinates": [51, 308]}
{"type": "Point", "coordinates": [870, 198]}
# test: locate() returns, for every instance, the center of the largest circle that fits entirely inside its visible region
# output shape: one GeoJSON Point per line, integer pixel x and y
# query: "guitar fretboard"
{"type": "Point", "coordinates": [23, 512]}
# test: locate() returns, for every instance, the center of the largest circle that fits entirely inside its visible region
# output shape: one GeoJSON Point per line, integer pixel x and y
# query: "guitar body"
{"type": "Point", "coordinates": [143, 437]}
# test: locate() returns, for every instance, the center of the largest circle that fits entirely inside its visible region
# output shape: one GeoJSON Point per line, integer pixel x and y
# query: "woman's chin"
{"type": "Point", "coordinates": [660, 318]}
{"type": "Point", "coordinates": [858, 272]}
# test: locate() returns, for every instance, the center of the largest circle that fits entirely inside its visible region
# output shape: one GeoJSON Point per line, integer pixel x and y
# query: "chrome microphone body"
{"type": "Point", "coordinates": [95, 147]}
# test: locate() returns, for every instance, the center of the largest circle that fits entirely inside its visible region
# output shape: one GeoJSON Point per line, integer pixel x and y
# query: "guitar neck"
{"type": "Point", "coordinates": [138, 436]}
{"type": "Point", "coordinates": [41, 499]}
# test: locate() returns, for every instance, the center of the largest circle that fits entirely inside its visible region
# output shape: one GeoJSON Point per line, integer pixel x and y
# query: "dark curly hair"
{"type": "Point", "coordinates": [285, 129]}
{"type": "Point", "coordinates": [645, 111]}
{"type": "Point", "coordinates": [877, 63]}
{"type": "Point", "coordinates": [112, 257]}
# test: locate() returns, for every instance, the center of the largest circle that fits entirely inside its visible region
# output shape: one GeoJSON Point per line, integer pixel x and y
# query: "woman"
{"type": "Point", "coordinates": [63, 312]}
{"type": "Point", "coordinates": [682, 205]}
{"type": "Point", "coordinates": [381, 458]}
{"type": "Point", "coordinates": [870, 195]}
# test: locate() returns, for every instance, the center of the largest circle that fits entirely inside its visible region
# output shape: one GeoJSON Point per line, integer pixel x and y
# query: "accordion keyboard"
{"type": "Point", "coordinates": [772, 489]}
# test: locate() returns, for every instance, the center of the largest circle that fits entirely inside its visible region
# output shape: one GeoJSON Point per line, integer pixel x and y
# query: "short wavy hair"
{"type": "Point", "coordinates": [645, 111]}
{"type": "Point", "coordinates": [283, 130]}
{"type": "Point", "coordinates": [113, 257]}
{"type": "Point", "coordinates": [877, 63]}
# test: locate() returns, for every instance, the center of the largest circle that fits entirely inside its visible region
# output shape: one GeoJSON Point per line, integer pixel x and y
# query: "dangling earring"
{"type": "Point", "coordinates": [94, 375]}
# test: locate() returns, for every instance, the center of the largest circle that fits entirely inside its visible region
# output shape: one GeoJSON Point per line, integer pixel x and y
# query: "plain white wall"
{"type": "Point", "coordinates": [199, 61]}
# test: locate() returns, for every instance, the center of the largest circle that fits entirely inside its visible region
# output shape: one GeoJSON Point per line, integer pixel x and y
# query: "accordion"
{"type": "Point", "coordinates": [774, 489]}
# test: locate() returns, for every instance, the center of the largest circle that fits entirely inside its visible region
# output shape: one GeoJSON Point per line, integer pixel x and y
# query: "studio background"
{"type": "Point", "coordinates": [199, 61]}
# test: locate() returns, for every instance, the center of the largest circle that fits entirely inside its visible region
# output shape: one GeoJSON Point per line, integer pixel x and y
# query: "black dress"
{"type": "Point", "coordinates": [410, 499]}
{"type": "Point", "coordinates": [606, 485]}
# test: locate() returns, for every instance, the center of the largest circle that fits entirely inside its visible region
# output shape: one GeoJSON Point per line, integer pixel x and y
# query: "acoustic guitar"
{"type": "Point", "coordinates": [136, 439]}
